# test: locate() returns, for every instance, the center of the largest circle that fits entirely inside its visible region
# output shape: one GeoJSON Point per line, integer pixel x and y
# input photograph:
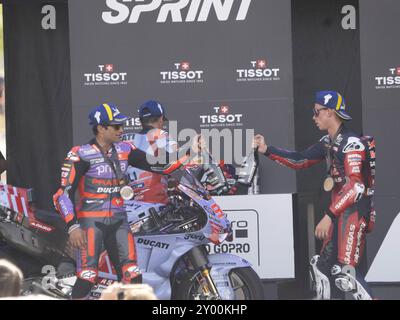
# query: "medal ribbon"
{"type": "Point", "coordinates": [329, 161]}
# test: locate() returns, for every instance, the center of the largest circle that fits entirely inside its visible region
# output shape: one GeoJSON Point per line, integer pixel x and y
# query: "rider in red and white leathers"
{"type": "Point", "coordinates": [351, 207]}
{"type": "Point", "coordinates": [150, 187]}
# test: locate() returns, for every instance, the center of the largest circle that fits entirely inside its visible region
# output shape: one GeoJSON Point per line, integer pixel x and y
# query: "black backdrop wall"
{"type": "Point", "coordinates": [325, 57]}
{"type": "Point", "coordinates": [38, 86]}
{"type": "Point", "coordinates": [379, 24]}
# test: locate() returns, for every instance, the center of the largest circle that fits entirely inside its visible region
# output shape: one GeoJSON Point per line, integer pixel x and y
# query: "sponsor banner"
{"type": "Point", "coordinates": [230, 126]}
{"type": "Point", "coordinates": [181, 73]}
{"type": "Point", "coordinates": [16, 199]}
{"type": "Point", "coordinates": [228, 129]}
{"type": "Point", "coordinates": [380, 63]}
{"type": "Point", "coordinates": [246, 236]}
{"type": "Point", "coordinates": [380, 75]}
{"type": "Point", "coordinates": [258, 70]}
{"type": "Point", "coordinates": [133, 124]}
{"type": "Point", "coordinates": [262, 233]}
{"type": "Point", "coordinates": [221, 116]}
{"type": "Point", "coordinates": [134, 11]}
{"type": "Point", "coordinates": [195, 56]}
{"type": "Point", "coordinates": [104, 75]}
{"type": "Point", "coordinates": [390, 79]}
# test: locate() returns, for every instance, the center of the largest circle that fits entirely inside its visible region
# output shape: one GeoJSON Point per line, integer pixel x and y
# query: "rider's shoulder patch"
{"type": "Point", "coordinates": [87, 150]}
{"type": "Point", "coordinates": [73, 154]}
{"type": "Point", "coordinates": [353, 144]}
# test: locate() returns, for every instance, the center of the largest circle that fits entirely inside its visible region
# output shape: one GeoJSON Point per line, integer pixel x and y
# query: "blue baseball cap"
{"type": "Point", "coordinates": [151, 108]}
{"type": "Point", "coordinates": [106, 114]}
{"type": "Point", "coordinates": [333, 100]}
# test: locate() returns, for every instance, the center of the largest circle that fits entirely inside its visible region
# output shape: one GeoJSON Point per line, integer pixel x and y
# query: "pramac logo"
{"type": "Point", "coordinates": [179, 11]}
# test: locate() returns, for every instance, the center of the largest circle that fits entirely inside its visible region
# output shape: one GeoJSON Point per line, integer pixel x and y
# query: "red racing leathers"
{"type": "Point", "coordinates": [351, 207]}
{"type": "Point", "coordinates": [99, 211]}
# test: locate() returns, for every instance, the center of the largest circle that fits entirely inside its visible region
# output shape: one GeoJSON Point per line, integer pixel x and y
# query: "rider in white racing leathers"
{"type": "Point", "coordinates": [151, 190]}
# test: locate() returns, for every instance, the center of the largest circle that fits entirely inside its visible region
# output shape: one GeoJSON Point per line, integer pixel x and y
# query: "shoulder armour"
{"type": "Point", "coordinates": [353, 144]}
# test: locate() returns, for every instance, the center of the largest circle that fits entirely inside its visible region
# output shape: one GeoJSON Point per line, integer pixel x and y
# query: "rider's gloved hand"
{"type": "Point", "coordinates": [198, 143]}
{"type": "Point", "coordinates": [77, 238]}
{"type": "Point", "coordinates": [259, 142]}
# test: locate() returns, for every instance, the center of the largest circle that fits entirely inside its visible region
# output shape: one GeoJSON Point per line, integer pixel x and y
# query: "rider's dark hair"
{"type": "Point", "coordinates": [149, 120]}
{"type": "Point", "coordinates": [95, 130]}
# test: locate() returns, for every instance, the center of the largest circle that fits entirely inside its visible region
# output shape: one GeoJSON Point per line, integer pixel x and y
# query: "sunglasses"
{"type": "Point", "coordinates": [317, 111]}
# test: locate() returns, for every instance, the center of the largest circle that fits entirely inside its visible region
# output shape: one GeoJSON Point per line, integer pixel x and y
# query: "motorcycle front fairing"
{"type": "Point", "coordinates": [218, 227]}
{"type": "Point", "coordinates": [221, 266]}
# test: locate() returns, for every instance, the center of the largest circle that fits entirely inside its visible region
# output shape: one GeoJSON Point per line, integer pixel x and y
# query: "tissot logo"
{"type": "Point", "coordinates": [185, 66]}
{"type": "Point", "coordinates": [130, 11]}
{"type": "Point", "coordinates": [181, 72]}
{"type": "Point", "coordinates": [221, 118]}
{"type": "Point", "coordinates": [224, 109]}
{"type": "Point", "coordinates": [258, 70]}
{"type": "Point", "coordinates": [105, 74]}
{"type": "Point", "coordinates": [109, 67]}
{"type": "Point", "coordinates": [261, 64]}
{"type": "Point", "coordinates": [391, 80]}
{"type": "Point", "coordinates": [133, 124]}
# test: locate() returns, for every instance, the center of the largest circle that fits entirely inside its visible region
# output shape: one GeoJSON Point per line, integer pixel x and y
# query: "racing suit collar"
{"type": "Point", "coordinates": [94, 143]}
{"type": "Point", "coordinates": [340, 130]}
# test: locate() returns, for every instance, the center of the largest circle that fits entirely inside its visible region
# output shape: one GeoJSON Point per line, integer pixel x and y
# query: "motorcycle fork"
{"type": "Point", "coordinates": [198, 258]}
{"type": "Point", "coordinates": [210, 286]}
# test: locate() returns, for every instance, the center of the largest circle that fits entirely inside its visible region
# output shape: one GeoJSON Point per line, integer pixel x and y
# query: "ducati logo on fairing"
{"type": "Point", "coordinates": [178, 11]}
{"type": "Point", "coordinates": [152, 243]}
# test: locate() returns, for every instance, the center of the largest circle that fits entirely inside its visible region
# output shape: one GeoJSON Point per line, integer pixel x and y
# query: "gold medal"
{"type": "Point", "coordinates": [329, 183]}
{"type": "Point", "coordinates": [126, 193]}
